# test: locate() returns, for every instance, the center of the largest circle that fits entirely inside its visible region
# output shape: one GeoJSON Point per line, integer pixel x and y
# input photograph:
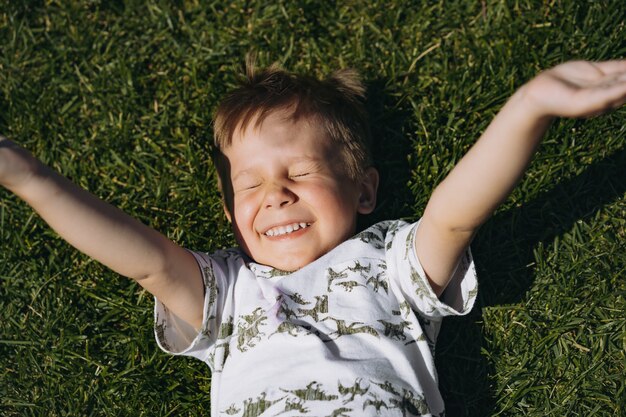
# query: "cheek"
{"type": "Point", "coordinates": [243, 224]}
{"type": "Point", "coordinates": [333, 200]}
{"type": "Point", "coordinates": [244, 210]}
{"type": "Point", "coordinates": [337, 195]}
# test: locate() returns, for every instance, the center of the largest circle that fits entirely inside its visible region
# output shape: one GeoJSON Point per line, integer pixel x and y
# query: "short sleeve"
{"type": "Point", "coordinates": [460, 294]}
{"type": "Point", "coordinates": [177, 337]}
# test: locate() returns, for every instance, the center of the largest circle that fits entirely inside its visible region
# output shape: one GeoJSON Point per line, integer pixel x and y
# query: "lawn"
{"type": "Point", "coordinates": [118, 96]}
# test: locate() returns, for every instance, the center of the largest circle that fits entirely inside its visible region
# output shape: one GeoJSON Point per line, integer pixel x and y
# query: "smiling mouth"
{"type": "Point", "coordinates": [285, 230]}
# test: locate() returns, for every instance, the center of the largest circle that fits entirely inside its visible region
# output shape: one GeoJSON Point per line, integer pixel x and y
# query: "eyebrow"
{"type": "Point", "coordinates": [308, 159]}
{"type": "Point", "coordinates": [241, 174]}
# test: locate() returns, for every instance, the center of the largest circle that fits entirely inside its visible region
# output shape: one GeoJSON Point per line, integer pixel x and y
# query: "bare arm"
{"type": "Point", "coordinates": [105, 233]}
{"type": "Point", "coordinates": [490, 170]}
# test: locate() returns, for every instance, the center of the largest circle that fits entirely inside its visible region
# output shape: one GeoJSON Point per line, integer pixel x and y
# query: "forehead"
{"type": "Point", "coordinates": [284, 130]}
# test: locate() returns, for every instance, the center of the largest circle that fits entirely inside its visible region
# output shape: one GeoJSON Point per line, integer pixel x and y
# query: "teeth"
{"type": "Point", "coordinates": [283, 230]}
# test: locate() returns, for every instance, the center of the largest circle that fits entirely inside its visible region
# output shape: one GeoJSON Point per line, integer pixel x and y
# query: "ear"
{"type": "Point", "coordinates": [368, 189]}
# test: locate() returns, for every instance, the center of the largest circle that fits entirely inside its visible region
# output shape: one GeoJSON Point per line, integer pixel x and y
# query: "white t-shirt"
{"type": "Point", "coordinates": [351, 334]}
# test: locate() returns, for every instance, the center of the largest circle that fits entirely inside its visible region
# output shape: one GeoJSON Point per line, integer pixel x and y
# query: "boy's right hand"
{"type": "Point", "coordinates": [16, 164]}
{"type": "Point", "coordinates": [105, 233]}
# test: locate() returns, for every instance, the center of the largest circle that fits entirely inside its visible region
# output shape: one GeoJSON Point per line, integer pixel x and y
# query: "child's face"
{"type": "Point", "coordinates": [290, 200]}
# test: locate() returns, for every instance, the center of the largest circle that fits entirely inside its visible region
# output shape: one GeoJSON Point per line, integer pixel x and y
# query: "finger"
{"type": "Point", "coordinates": [599, 100]}
{"type": "Point", "coordinates": [609, 80]}
{"type": "Point", "coordinates": [611, 67]}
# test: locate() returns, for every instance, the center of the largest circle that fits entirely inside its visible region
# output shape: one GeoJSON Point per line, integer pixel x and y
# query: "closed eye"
{"type": "Point", "coordinates": [247, 186]}
{"type": "Point", "coordinates": [302, 174]}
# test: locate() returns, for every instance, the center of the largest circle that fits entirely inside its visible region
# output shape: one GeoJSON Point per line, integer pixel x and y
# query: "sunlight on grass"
{"type": "Point", "coordinates": [118, 96]}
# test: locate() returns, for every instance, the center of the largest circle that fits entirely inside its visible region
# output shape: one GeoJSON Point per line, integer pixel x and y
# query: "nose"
{"type": "Point", "coordinates": [278, 196]}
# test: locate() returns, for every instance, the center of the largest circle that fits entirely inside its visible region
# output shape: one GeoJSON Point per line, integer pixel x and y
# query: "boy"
{"type": "Point", "coordinates": [306, 318]}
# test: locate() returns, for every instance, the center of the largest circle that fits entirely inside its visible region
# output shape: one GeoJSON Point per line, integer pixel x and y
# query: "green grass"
{"type": "Point", "coordinates": [118, 97]}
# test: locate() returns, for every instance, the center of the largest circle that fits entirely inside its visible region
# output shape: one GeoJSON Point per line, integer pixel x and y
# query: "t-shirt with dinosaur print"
{"type": "Point", "coordinates": [350, 334]}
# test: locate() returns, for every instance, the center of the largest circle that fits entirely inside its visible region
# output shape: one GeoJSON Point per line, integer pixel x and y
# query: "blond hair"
{"type": "Point", "coordinates": [336, 102]}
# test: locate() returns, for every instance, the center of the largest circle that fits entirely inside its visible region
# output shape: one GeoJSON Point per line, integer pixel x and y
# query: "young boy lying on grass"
{"type": "Point", "coordinates": [305, 317]}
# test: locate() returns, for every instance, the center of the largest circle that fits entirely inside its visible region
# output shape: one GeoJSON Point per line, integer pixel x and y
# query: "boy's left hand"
{"type": "Point", "coordinates": [490, 170]}
{"type": "Point", "coordinates": [578, 89]}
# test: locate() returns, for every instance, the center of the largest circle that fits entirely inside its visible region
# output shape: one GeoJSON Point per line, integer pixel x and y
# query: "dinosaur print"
{"type": "Point", "coordinates": [312, 393]}
{"type": "Point", "coordinates": [352, 391]}
{"type": "Point", "coordinates": [287, 312]}
{"type": "Point", "coordinates": [344, 329]}
{"type": "Point", "coordinates": [378, 281]}
{"type": "Point", "coordinates": [225, 347]}
{"type": "Point", "coordinates": [232, 410]}
{"type": "Point", "coordinates": [391, 232]}
{"type": "Point", "coordinates": [340, 412]}
{"type": "Point", "coordinates": [222, 348]}
{"type": "Point", "coordinates": [160, 328]}
{"type": "Point", "coordinates": [375, 402]}
{"type": "Point", "coordinates": [267, 272]}
{"type": "Point", "coordinates": [387, 387]}
{"type": "Point", "coordinates": [333, 276]}
{"type": "Point", "coordinates": [297, 298]}
{"type": "Point", "coordinates": [422, 289]}
{"type": "Point", "coordinates": [259, 406]}
{"type": "Point", "coordinates": [345, 273]}
{"type": "Point", "coordinates": [425, 324]}
{"type": "Point", "coordinates": [349, 285]}
{"type": "Point", "coordinates": [226, 328]}
{"type": "Point", "coordinates": [297, 405]}
{"type": "Point", "coordinates": [405, 309]}
{"type": "Point", "coordinates": [248, 333]}
{"type": "Point", "coordinates": [290, 328]}
{"type": "Point", "coordinates": [372, 238]}
{"type": "Point", "coordinates": [421, 338]}
{"type": "Point", "coordinates": [210, 283]}
{"type": "Point", "coordinates": [321, 307]}
{"type": "Point", "coordinates": [206, 330]}
{"type": "Point", "coordinates": [273, 273]}
{"type": "Point", "coordinates": [470, 296]}
{"type": "Point", "coordinates": [396, 330]}
{"type": "Point", "coordinates": [363, 270]}
{"type": "Point", "coordinates": [411, 404]}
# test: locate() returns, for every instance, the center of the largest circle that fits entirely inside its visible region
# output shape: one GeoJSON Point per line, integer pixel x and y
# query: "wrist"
{"type": "Point", "coordinates": [525, 99]}
{"type": "Point", "coordinates": [17, 165]}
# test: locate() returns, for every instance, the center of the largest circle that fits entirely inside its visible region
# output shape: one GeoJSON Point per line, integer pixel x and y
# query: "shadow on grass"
{"type": "Point", "coordinates": [503, 250]}
{"type": "Point", "coordinates": [390, 148]}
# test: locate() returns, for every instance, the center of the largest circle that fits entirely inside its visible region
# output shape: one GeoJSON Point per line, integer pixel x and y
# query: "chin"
{"type": "Point", "coordinates": [291, 264]}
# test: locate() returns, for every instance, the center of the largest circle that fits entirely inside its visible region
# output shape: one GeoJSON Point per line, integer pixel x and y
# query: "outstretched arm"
{"type": "Point", "coordinates": [486, 175]}
{"type": "Point", "coordinates": [105, 233]}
